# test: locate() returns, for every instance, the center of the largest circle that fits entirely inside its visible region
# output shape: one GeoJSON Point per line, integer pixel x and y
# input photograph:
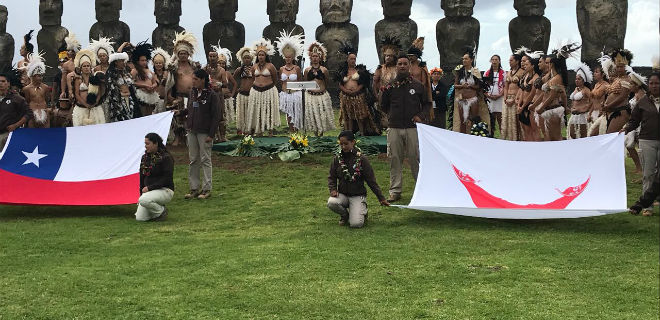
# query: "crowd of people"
{"type": "Point", "coordinates": [529, 102]}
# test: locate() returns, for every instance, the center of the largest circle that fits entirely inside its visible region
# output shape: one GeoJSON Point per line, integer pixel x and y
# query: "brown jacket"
{"type": "Point", "coordinates": [12, 108]}
{"type": "Point", "coordinates": [405, 102]}
{"type": "Point", "coordinates": [353, 188]}
{"type": "Point", "coordinates": [204, 112]}
{"type": "Point", "coordinates": [645, 114]}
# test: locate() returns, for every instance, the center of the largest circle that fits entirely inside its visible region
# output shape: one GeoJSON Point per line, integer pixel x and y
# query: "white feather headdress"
{"type": "Point", "coordinates": [636, 77]}
{"type": "Point", "coordinates": [521, 51]}
{"type": "Point", "coordinates": [185, 41]}
{"type": "Point", "coordinates": [263, 45]}
{"type": "Point", "coordinates": [317, 47]}
{"type": "Point", "coordinates": [102, 44]}
{"type": "Point", "coordinates": [244, 51]}
{"type": "Point", "coordinates": [72, 44]}
{"type": "Point", "coordinates": [584, 71]}
{"type": "Point", "coordinates": [606, 64]}
{"type": "Point", "coordinates": [289, 41]}
{"type": "Point", "coordinates": [36, 64]}
{"type": "Point", "coordinates": [222, 52]}
{"type": "Point", "coordinates": [85, 55]}
{"type": "Point", "coordinates": [118, 56]}
{"type": "Point", "coordinates": [166, 56]}
{"type": "Point", "coordinates": [535, 55]}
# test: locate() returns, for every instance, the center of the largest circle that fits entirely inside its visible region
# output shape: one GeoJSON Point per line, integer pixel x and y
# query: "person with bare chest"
{"type": "Point", "coordinates": [581, 98]}
{"type": "Point", "coordinates": [219, 81]}
{"type": "Point", "coordinates": [182, 68]}
{"type": "Point", "coordinates": [68, 68]}
{"type": "Point", "coordinates": [264, 103]}
{"type": "Point", "coordinates": [354, 82]}
{"type": "Point", "coordinates": [244, 73]}
{"type": "Point", "coordinates": [146, 84]}
{"type": "Point", "coordinates": [37, 93]}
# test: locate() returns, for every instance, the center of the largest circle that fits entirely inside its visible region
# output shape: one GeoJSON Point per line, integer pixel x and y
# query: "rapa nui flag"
{"type": "Point", "coordinates": [475, 176]}
{"type": "Point", "coordinates": [90, 165]}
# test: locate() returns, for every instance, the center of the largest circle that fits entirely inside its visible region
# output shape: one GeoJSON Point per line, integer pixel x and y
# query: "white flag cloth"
{"type": "Point", "coordinates": [482, 177]}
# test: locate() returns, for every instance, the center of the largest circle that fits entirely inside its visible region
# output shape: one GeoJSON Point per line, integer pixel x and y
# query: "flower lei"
{"type": "Point", "coordinates": [397, 83]}
{"type": "Point", "coordinates": [149, 160]}
{"type": "Point", "coordinates": [357, 167]}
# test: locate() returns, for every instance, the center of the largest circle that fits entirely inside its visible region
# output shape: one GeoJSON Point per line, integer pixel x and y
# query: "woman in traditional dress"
{"type": "Point", "coordinates": [146, 83]}
{"type": "Point", "coordinates": [319, 116]}
{"type": "Point", "coordinates": [227, 89]}
{"type": "Point", "coordinates": [552, 109]}
{"type": "Point", "coordinates": [616, 103]}
{"type": "Point", "coordinates": [244, 73]}
{"type": "Point", "coordinates": [511, 88]}
{"type": "Point", "coordinates": [290, 47]}
{"type": "Point", "coordinates": [264, 101]}
{"type": "Point", "coordinates": [469, 105]}
{"type": "Point", "coordinates": [353, 83]}
{"type": "Point", "coordinates": [527, 93]}
{"type": "Point", "coordinates": [597, 117]}
{"type": "Point", "coordinates": [86, 87]}
{"type": "Point", "coordinates": [161, 62]}
{"type": "Point", "coordinates": [581, 98]}
{"type": "Point", "coordinates": [120, 89]}
{"type": "Point", "coordinates": [102, 48]}
{"type": "Point", "coordinates": [26, 49]}
{"type": "Point", "coordinates": [495, 93]}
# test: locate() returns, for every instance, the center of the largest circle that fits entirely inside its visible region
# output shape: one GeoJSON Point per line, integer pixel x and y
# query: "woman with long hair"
{"type": "Point", "coordinates": [290, 47]}
{"type": "Point", "coordinates": [597, 117]}
{"type": "Point", "coordinates": [495, 93]}
{"type": "Point", "coordinates": [581, 98]}
{"type": "Point", "coordinates": [145, 81]}
{"type": "Point", "coordinates": [511, 88]}
{"type": "Point", "coordinates": [319, 116]}
{"type": "Point", "coordinates": [87, 91]}
{"type": "Point", "coordinates": [120, 96]}
{"type": "Point", "coordinates": [528, 123]}
{"type": "Point", "coordinates": [469, 104]}
{"type": "Point", "coordinates": [164, 82]}
{"type": "Point", "coordinates": [156, 180]}
{"type": "Point", "coordinates": [264, 101]}
{"type": "Point", "coordinates": [246, 79]}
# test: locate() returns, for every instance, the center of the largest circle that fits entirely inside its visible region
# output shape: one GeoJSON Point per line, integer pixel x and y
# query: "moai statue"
{"type": "Point", "coordinates": [530, 28]}
{"type": "Point", "coordinates": [457, 30]}
{"type": "Point", "coordinates": [108, 24]}
{"type": "Point", "coordinates": [168, 14]}
{"type": "Point", "coordinates": [6, 41]}
{"type": "Point", "coordinates": [397, 24]}
{"type": "Point", "coordinates": [282, 15]}
{"type": "Point", "coordinates": [224, 28]}
{"type": "Point", "coordinates": [335, 31]}
{"type": "Point", "coordinates": [602, 25]}
{"type": "Point", "coordinates": [51, 36]}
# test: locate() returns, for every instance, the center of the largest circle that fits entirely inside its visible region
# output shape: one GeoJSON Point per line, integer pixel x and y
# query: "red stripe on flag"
{"type": "Point", "coordinates": [20, 190]}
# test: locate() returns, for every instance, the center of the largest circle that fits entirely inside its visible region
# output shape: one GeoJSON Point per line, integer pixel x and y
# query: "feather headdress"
{"type": "Point", "coordinates": [655, 63]}
{"type": "Point", "coordinates": [72, 44]}
{"type": "Point", "coordinates": [621, 56]}
{"type": "Point", "coordinates": [637, 78]}
{"type": "Point", "coordinates": [102, 44]}
{"type": "Point", "coordinates": [390, 43]}
{"type": "Point", "coordinates": [263, 45]}
{"type": "Point", "coordinates": [606, 64]}
{"type": "Point", "coordinates": [223, 53]}
{"type": "Point", "coordinates": [36, 64]}
{"type": "Point", "coordinates": [584, 71]}
{"type": "Point", "coordinates": [184, 41]}
{"type": "Point", "coordinates": [159, 53]}
{"type": "Point", "coordinates": [85, 55]}
{"type": "Point", "coordinates": [417, 47]}
{"type": "Point", "coordinates": [521, 51]}
{"type": "Point", "coordinates": [290, 44]}
{"type": "Point", "coordinates": [243, 52]}
{"type": "Point", "coordinates": [317, 48]}
{"type": "Point", "coordinates": [118, 56]}
{"type": "Point", "coordinates": [567, 50]}
{"type": "Point", "coordinates": [142, 49]}
{"type": "Point", "coordinates": [347, 48]}
{"type": "Point", "coordinates": [26, 41]}
{"type": "Point", "coordinates": [535, 55]}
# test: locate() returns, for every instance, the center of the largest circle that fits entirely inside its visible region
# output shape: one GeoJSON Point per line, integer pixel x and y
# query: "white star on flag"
{"type": "Point", "coordinates": [33, 157]}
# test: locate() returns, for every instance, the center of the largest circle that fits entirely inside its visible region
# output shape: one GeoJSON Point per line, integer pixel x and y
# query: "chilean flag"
{"type": "Point", "coordinates": [90, 165]}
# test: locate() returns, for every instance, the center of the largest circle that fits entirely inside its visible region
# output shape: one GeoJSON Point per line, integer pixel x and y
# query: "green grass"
{"type": "Point", "coordinates": [266, 247]}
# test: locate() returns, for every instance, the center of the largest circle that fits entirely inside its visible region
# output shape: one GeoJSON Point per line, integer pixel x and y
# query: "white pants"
{"type": "Point", "coordinates": [151, 204]}
{"type": "Point", "coordinates": [353, 207]}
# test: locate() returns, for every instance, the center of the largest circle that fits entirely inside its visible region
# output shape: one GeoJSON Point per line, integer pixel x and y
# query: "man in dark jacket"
{"type": "Point", "coordinates": [439, 92]}
{"type": "Point", "coordinates": [14, 110]}
{"type": "Point", "coordinates": [203, 113]}
{"type": "Point", "coordinates": [406, 103]}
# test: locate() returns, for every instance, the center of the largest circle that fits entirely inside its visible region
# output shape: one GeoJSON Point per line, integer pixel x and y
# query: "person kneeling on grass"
{"type": "Point", "coordinates": [348, 173]}
{"type": "Point", "coordinates": [156, 180]}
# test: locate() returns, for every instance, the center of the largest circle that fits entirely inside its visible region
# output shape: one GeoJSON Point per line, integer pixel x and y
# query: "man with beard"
{"type": "Point", "coordinates": [406, 103]}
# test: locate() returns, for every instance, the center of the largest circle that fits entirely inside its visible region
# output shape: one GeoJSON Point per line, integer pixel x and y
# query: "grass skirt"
{"type": "Point", "coordinates": [263, 110]}
{"type": "Point", "coordinates": [600, 123]}
{"type": "Point", "coordinates": [483, 114]}
{"type": "Point", "coordinates": [291, 104]}
{"type": "Point", "coordinates": [83, 116]}
{"type": "Point", "coordinates": [242, 112]}
{"type": "Point", "coordinates": [319, 116]}
{"type": "Point", "coordinates": [574, 122]}
{"type": "Point", "coordinates": [230, 114]}
{"type": "Point", "coordinates": [354, 107]}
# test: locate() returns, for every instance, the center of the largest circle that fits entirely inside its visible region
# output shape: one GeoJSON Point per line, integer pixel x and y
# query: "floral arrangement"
{"type": "Point", "coordinates": [247, 141]}
{"type": "Point", "coordinates": [480, 129]}
{"type": "Point", "coordinates": [298, 141]}
{"type": "Point", "coordinates": [247, 148]}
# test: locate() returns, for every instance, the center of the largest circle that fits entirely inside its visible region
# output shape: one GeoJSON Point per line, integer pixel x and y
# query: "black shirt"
{"type": "Point", "coordinates": [403, 102]}
{"type": "Point", "coordinates": [13, 107]}
{"type": "Point", "coordinates": [157, 173]}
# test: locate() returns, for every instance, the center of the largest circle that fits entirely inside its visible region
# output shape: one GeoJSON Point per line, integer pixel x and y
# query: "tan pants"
{"type": "Point", "coordinates": [649, 156]}
{"type": "Point", "coordinates": [151, 204]}
{"type": "Point", "coordinates": [401, 144]}
{"type": "Point", "coordinates": [353, 207]}
{"type": "Point", "coordinates": [199, 152]}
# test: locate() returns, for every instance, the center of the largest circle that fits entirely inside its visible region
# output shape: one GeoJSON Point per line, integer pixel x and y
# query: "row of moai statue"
{"type": "Point", "coordinates": [602, 24]}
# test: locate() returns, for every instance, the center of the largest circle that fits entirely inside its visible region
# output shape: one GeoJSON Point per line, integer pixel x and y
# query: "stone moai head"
{"type": "Point", "coordinates": [457, 8]}
{"type": "Point", "coordinates": [282, 10]}
{"type": "Point", "coordinates": [50, 12]}
{"type": "Point", "coordinates": [167, 12]}
{"type": "Point", "coordinates": [107, 10]}
{"type": "Point", "coordinates": [529, 8]}
{"type": "Point", "coordinates": [336, 11]}
{"type": "Point", "coordinates": [223, 10]}
{"type": "Point", "coordinates": [3, 18]}
{"type": "Point", "coordinates": [396, 8]}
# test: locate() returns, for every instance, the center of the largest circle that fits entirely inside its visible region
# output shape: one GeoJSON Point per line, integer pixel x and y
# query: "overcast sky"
{"type": "Point", "coordinates": [494, 15]}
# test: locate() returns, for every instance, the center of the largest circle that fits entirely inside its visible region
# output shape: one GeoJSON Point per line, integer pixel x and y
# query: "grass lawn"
{"type": "Point", "coordinates": [266, 247]}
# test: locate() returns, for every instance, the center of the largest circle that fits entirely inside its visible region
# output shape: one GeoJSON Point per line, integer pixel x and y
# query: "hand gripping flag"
{"type": "Point", "coordinates": [90, 165]}
{"type": "Point", "coordinates": [481, 177]}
